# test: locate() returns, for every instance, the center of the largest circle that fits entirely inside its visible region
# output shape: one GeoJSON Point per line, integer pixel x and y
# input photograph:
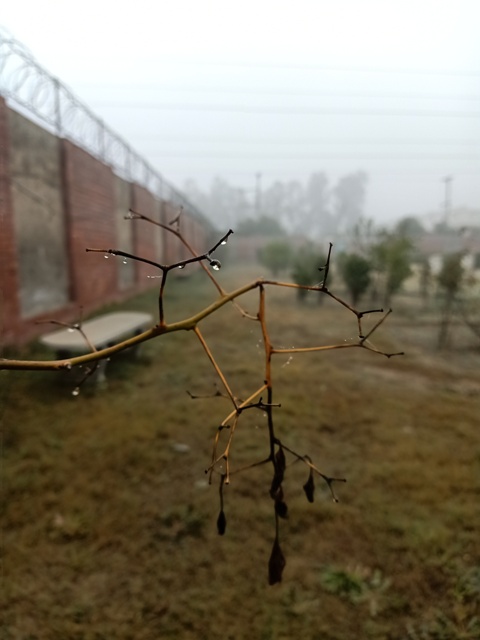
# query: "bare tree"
{"type": "Point", "coordinates": [450, 280]}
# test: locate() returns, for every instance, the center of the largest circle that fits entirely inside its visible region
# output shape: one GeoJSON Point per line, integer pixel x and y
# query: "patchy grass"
{"type": "Point", "coordinates": [108, 522]}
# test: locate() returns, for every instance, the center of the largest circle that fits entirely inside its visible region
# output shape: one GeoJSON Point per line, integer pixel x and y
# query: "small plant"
{"type": "Point", "coordinates": [356, 585]}
{"type": "Point", "coordinates": [461, 620]}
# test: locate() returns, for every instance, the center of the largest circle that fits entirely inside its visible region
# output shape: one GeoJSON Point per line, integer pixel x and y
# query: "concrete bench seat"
{"type": "Point", "coordinates": [103, 331]}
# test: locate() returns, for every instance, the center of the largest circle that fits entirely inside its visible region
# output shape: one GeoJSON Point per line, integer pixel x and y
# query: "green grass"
{"type": "Point", "coordinates": [109, 532]}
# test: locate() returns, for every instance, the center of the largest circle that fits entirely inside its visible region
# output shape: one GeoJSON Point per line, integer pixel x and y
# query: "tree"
{"type": "Point", "coordinates": [425, 280]}
{"type": "Point", "coordinates": [300, 208]}
{"type": "Point", "coordinates": [264, 226]}
{"type": "Point", "coordinates": [307, 266]}
{"type": "Point", "coordinates": [318, 221]}
{"type": "Point", "coordinates": [349, 199]}
{"type": "Point", "coordinates": [391, 256]}
{"type": "Point", "coordinates": [274, 203]}
{"type": "Point", "coordinates": [276, 256]}
{"type": "Point", "coordinates": [410, 227]}
{"type": "Point", "coordinates": [355, 271]}
{"type": "Point", "coordinates": [227, 204]}
{"type": "Point", "coordinates": [223, 203]}
{"type": "Point", "coordinates": [295, 207]}
{"type": "Point", "coordinates": [450, 280]}
{"type": "Point", "coordinates": [363, 236]}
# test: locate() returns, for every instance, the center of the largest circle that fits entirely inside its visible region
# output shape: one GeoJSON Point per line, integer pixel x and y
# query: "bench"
{"type": "Point", "coordinates": [103, 331]}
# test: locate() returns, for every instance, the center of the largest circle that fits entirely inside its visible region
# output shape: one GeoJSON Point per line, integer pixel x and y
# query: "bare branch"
{"type": "Point", "coordinates": [221, 463]}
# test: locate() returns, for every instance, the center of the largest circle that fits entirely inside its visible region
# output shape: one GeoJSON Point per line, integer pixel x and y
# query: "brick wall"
{"type": "Point", "coordinates": [90, 214]}
{"type": "Point", "coordinates": [145, 235]}
{"type": "Point", "coordinates": [124, 232]}
{"type": "Point", "coordinates": [172, 247]}
{"type": "Point", "coordinates": [194, 232]}
{"type": "Point", "coordinates": [38, 213]}
{"type": "Point", "coordinates": [9, 281]}
{"type": "Point", "coordinates": [91, 203]}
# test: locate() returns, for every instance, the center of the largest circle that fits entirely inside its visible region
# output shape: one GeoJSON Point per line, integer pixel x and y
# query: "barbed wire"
{"type": "Point", "coordinates": [30, 89]}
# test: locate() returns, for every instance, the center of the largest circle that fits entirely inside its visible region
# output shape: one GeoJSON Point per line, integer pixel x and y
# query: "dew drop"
{"type": "Point", "coordinates": [71, 330]}
{"type": "Point", "coordinates": [216, 265]}
{"type": "Point", "coordinates": [106, 256]}
{"type": "Point", "coordinates": [181, 266]}
{"type": "Point", "coordinates": [224, 242]}
{"type": "Point", "coordinates": [125, 261]}
{"type": "Point", "coordinates": [76, 392]}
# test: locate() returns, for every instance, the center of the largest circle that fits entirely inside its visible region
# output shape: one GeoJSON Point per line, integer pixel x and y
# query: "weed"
{"type": "Point", "coordinates": [357, 584]}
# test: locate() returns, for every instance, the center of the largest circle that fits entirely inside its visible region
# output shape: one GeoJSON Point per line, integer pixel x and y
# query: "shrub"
{"type": "Point", "coordinates": [355, 272]}
{"type": "Point", "coordinates": [276, 256]}
{"type": "Point", "coordinates": [307, 270]}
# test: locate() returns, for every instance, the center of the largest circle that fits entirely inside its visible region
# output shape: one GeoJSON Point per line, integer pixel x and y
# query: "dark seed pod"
{"type": "Point", "coordinates": [309, 487]}
{"type": "Point", "coordinates": [275, 486]}
{"type": "Point", "coordinates": [278, 495]}
{"type": "Point", "coordinates": [221, 523]}
{"type": "Point", "coordinates": [281, 509]}
{"type": "Point", "coordinates": [280, 461]}
{"type": "Point", "coordinates": [280, 464]}
{"type": "Point", "coordinates": [276, 564]}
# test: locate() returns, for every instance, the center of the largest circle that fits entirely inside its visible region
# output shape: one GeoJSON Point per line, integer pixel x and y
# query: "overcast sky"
{"type": "Point", "coordinates": [281, 88]}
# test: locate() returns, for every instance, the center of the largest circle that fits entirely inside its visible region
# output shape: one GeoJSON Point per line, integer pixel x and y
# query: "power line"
{"type": "Point", "coordinates": [286, 92]}
{"type": "Point", "coordinates": [320, 67]}
{"type": "Point", "coordinates": [430, 176]}
{"type": "Point", "coordinates": [300, 110]}
{"type": "Point", "coordinates": [304, 141]}
{"type": "Point", "coordinates": [320, 155]}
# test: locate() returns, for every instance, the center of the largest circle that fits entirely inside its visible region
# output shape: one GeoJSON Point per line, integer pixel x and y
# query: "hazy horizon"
{"type": "Point", "coordinates": [281, 89]}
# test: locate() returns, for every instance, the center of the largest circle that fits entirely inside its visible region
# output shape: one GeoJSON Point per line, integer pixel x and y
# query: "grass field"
{"type": "Point", "coordinates": [108, 522]}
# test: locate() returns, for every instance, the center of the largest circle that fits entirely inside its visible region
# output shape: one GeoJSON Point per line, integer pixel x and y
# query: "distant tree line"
{"type": "Point", "coordinates": [314, 209]}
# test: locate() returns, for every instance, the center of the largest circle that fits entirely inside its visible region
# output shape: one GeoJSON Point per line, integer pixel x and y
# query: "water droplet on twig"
{"type": "Point", "coordinates": [76, 392]}
{"type": "Point", "coordinates": [216, 265]}
{"type": "Point", "coordinates": [224, 242]}
{"type": "Point", "coordinates": [71, 330]}
{"type": "Point", "coordinates": [106, 256]}
{"type": "Point", "coordinates": [125, 261]}
{"type": "Point", "coordinates": [181, 266]}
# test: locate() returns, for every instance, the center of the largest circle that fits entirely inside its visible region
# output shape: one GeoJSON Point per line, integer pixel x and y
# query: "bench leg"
{"type": "Point", "coordinates": [100, 374]}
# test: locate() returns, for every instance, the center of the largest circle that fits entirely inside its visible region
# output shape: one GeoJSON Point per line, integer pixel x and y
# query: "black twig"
{"type": "Point", "coordinates": [326, 268]}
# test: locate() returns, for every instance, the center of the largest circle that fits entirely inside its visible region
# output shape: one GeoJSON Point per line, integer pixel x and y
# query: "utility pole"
{"type": "Point", "coordinates": [448, 199]}
{"type": "Point", "coordinates": [258, 194]}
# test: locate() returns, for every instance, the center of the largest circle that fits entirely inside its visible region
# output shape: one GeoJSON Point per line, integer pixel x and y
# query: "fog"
{"type": "Point", "coordinates": [262, 92]}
